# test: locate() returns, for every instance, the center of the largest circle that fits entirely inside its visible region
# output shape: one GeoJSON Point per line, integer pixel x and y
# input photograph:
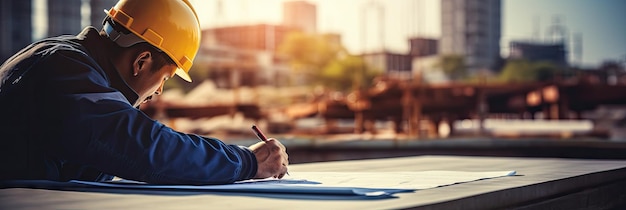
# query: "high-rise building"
{"type": "Point", "coordinates": [535, 51]}
{"type": "Point", "coordinates": [97, 8]}
{"type": "Point", "coordinates": [16, 27]}
{"type": "Point", "coordinates": [64, 17]}
{"type": "Point", "coordinates": [388, 62]}
{"type": "Point", "coordinates": [420, 47]}
{"type": "Point", "coordinates": [472, 29]}
{"type": "Point", "coordinates": [301, 15]}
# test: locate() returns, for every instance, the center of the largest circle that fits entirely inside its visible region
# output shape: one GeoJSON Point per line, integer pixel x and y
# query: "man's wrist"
{"type": "Point", "coordinates": [249, 165]}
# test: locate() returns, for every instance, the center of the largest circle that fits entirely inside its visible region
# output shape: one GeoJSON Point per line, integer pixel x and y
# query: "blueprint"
{"type": "Point", "coordinates": [328, 183]}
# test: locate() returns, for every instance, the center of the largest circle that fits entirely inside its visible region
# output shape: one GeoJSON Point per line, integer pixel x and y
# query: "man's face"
{"type": "Point", "coordinates": [149, 83]}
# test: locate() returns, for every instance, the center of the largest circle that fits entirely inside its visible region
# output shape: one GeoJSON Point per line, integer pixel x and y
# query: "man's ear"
{"type": "Point", "coordinates": [141, 62]}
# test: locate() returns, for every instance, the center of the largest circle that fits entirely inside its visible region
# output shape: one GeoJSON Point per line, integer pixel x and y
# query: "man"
{"type": "Point", "coordinates": [68, 106]}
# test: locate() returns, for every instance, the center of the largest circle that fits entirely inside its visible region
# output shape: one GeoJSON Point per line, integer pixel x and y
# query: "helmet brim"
{"type": "Point", "coordinates": [182, 74]}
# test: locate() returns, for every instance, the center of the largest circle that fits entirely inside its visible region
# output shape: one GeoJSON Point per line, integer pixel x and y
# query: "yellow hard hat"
{"type": "Point", "coordinates": [172, 26]}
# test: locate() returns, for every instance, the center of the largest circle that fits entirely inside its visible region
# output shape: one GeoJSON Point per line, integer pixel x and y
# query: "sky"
{"type": "Point", "coordinates": [599, 23]}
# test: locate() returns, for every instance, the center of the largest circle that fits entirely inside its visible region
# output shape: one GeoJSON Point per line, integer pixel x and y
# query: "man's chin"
{"type": "Point", "coordinates": [146, 100]}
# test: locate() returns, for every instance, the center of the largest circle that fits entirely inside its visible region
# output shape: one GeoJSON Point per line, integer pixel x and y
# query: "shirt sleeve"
{"type": "Point", "coordinates": [92, 124]}
{"type": "Point", "coordinates": [125, 142]}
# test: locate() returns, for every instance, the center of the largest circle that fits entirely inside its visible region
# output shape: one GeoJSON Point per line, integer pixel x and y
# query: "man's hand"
{"type": "Point", "coordinates": [272, 159]}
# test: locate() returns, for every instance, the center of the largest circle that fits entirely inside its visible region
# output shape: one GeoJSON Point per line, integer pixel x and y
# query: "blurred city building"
{"type": "Point", "coordinates": [552, 48]}
{"type": "Point", "coordinates": [301, 15]}
{"type": "Point", "coordinates": [424, 52]}
{"type": "Point", "coordinates": [230, 67]}
{"type": "Point", "coordinates": [420, 60]}
{"type": "Point", "coordinates": [16, 27]}
{"type": "Point", "coordinates": [250, 37]}
{"type": "Point", "coordinates": [420, 46]}
{"type": "Point", "coordinates": [536, 51]}
{"type": "Point", "coordinates": [471, 28]}
{"type": "Point", "coordinates": [242, 55]}
{"type": "Point", "coordinates": [395, 65]}
{"type": "Point", "coordinates": [426, 70]}
{"type": "Point", "coordinates": [64, 17]}
{"type": "Point", "coordinates": [246, 55]}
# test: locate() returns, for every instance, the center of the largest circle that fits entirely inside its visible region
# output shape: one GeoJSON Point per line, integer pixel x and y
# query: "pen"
{"type": "Point", "coordinates": [261, 136]}
{"type": "Point", "coordinates": [259, 133]}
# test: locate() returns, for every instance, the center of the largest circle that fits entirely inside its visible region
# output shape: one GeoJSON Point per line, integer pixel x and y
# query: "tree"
{"type": "Point", "coordinates": [519, 70]}
{"type": "Point", "coordinates": [453, 66]}
{"type": "Point", "coordinates": [325, 62]}
{"type": "Point", "coordinates": [308, 53]}
{"type": "Point", "coordinates": [347, 73]}
{"type": "Point", "coordinates": [545, 71]}
{"type": "Point", "coordinates": [516, 71]}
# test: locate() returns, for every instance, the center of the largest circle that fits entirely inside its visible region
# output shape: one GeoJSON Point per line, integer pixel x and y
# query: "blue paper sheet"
{"type": "Point", "coordinates": [329, 183]}
{"type": "Point", "coordinates": [365, 184]}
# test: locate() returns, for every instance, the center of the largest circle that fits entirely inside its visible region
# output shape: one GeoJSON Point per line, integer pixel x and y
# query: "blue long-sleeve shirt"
{"type": "Point", "coordinates": [66, 113]}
